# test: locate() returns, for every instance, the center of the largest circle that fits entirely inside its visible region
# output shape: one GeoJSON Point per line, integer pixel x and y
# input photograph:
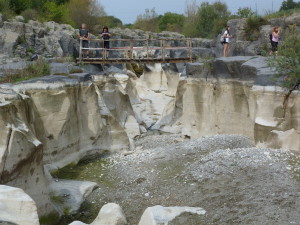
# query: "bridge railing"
{"type": "Point", "coordinates": [137, 48]}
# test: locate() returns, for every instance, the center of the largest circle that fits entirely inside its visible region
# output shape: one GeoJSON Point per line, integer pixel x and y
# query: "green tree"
{"type": "Point", "coordinates": [289, 4]}
{"type": "Point", "coordinates": [211, 18]}
{"type": "Point", "coordinates": [171, 21]}
{"type": "Point", "coordinates": [288, 63]}
{"type": "Point", "coordinates": [20, 5]}
{"type": "Point", "coordinates": [57, 13]}
{"type": "Point", "coordinates": [191, 11]}
{"type": "Point", "coordinates": [245, 12]}
{"type": "Point", "coordinates": [148, 21]}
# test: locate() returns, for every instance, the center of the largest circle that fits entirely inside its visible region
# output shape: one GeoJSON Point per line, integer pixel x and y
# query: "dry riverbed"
{"type": "Point", "coordinates": [235, 182]}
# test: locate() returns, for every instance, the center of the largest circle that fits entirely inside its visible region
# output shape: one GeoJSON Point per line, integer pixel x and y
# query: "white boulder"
{"type": "Point", "coordinates": [158, 215]}
{"type": "Point", "coordinates": [110, 214]}
{"type": "Point", "coordinates": [17, 207]}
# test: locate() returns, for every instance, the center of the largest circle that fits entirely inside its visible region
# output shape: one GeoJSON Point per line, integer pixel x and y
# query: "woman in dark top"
{"type": "Point", "coordinates": [105, 35]}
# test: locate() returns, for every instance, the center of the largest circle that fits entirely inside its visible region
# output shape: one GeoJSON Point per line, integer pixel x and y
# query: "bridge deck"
{"type": "Point", "coordinates": [149, 47]}
{"type": "Point", "coordinates": [132, 60]}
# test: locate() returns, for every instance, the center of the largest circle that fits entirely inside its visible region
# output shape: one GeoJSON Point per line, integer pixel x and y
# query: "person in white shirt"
{"type": "Point", "coordinates": [226, 42]}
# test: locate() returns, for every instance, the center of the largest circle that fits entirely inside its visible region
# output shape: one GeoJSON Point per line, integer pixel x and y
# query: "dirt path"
{"type": "Point", "coordinates": [226, 175]}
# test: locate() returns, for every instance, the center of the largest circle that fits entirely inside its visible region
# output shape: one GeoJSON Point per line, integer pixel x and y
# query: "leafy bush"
{"type": "Point", "coordinates": [208, 21]}
{"type": "Point", "coordinates": [252, 27]}
{"type": "Point", "coordinates": [245, 12]}
{"type": "Point", "coordinates": [57, 13]}
{"type": "Point", "coordinates": [30, 14]}
{"type": "Point", "coordinates": [171, 22]}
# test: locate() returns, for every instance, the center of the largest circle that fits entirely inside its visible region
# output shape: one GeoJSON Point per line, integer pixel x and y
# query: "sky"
{"type": "Point", "coordinates": [128, 10]}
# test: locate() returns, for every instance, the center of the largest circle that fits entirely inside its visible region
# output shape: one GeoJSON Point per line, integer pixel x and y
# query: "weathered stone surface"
{"type": "Point", "coordinates": [196, 70]}
{"type": "Point", "coordinates": [56, 131]}
{"type": "Point", "coordinates": [230, 67]}
{"type": "Point", "coordinates": [237, 28]}
{"type": "Point", "coordinates": [60, 68]}
{"type": "Point", "coordinates": [293, 19]}
{"type": "Point", "coordinates": [258, 70]}
{"type": "Point", "coordinates": [70, 194]}
{"type": "Point", "coordinates": [110, 214]}
{"type": "Point", "coordinates": [207, 105]}
{"type": "Point", "coordinates": [157, 215]}
{"type": "Point", "coordinates": [17, 207]}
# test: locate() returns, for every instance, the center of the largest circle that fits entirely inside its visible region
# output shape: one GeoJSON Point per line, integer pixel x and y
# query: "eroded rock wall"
{"type": "Point", "coordinates": [55, 120]}
{"type": "Point", "coordinates": [238, 97]}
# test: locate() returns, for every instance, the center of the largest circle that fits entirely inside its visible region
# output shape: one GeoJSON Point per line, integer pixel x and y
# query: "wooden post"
{"type": "Point", "coordinates": [190, 49]}
{"type": "Point", "coordinates": [162, 49]}
{"type": "Point", "coordinates": [131, 49]}
{"type": "Point", "coordinates": [80, 50]}
{"type": "Point", "coordinates": [103, 50]}
{"type": "Point", "coordinates": [147, 43]}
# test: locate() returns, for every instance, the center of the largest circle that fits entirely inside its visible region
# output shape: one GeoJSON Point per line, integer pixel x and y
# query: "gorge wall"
{"type": "Point", "coordinates": [49, 122]}
{"type": "Point", "coordinates": [58, 120]}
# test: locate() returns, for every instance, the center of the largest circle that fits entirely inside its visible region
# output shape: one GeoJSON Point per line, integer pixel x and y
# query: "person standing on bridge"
{"type": "Point", "coordinates": [105, 35]}
{"type": "Point", "coordinates": [84, 35]}
{"type": "Point", "coordinates": [226, 42]}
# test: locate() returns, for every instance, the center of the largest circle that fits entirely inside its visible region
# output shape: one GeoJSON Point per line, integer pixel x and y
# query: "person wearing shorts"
{"type": "Point", "coordinates": [84, 35]}
{"type": "Point", "coordinates": [106, 36]}
{"type": "Point", "coordinates": [226, 42]}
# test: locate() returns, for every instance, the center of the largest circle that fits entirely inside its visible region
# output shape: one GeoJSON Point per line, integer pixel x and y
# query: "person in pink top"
{"type": "Point", "coordinates": [274, 41]}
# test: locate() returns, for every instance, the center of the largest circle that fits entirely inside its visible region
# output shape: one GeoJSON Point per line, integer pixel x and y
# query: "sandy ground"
{"type": "Point", "coordinates": [226, 175]}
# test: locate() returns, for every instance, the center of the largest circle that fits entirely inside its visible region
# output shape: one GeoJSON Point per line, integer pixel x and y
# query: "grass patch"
{"type": "Point", "coordinates": [35, 69]}
{"type": "Point", "coordinates": [76, 70]}
{"type": "Point", "coordinates": [56, 199]}
{"type": "Point", "coordinates": [50, 219]}
{"type": "Point", "coordinates": [64, 59]}
{"type": "Point", "coordinates": [252, 27]}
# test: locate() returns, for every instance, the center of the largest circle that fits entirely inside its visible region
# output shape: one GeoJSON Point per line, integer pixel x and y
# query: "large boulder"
{"type": "Point", "coordinates": [237, 28]}
{"type": "Point", "coordinates": [110, 214]}
{"type": "Point", "coordinates": [17, 207]}
{"type": "Point", "coordinates": [157, 215]}
{"type": "Point", "coordinates": [70, 194]}
{"type": "Point", "coordinates": [293, 19]}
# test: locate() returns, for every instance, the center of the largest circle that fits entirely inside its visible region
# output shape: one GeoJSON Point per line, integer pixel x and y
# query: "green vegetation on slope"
{"type": "Point", "coordinates": [34, 69]}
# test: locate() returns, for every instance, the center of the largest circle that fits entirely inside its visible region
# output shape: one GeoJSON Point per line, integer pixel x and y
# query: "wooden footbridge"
{"type": "Point", "coordinates": [124, 51]}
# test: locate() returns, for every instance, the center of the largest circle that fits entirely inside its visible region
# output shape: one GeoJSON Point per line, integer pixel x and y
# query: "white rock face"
{"type": "Point", "coordinates": [157, 215]}
{"type": "Point", "coordinates": [17, 207]}
{"type": "Point", "coordinates": [110, 214]}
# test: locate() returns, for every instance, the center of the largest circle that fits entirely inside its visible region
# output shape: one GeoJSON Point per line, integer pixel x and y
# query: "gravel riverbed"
{"type": "Point", "coordinates": [235, 182]}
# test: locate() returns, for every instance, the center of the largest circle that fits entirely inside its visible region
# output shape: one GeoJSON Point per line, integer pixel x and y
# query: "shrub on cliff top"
{"type": "Point", "coordinates": [287, 64]}
{"type": "Point", "coordinates": [252, 27]}
{"type": "Point", "coordinates": [34, 69]}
